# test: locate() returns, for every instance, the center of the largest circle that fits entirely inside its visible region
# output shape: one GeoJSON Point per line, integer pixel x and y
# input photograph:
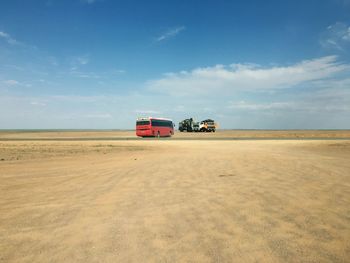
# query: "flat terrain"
{"type": "Point", "coordinates": [130, 135]}
{"type": "Point", "coordinates": [174, 201]}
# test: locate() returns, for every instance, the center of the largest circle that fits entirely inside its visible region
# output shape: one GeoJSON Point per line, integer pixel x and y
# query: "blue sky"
{"type": "Point", "coordinates": [247, 64]}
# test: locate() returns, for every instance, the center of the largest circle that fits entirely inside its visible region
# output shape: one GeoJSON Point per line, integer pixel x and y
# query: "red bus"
{"type": "Point", "coordinates": [154, 127]}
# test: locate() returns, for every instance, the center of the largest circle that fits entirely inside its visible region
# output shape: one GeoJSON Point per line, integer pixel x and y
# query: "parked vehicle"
{"type": "Point", "coordinates": [154, 127]}
{"type": "Point", "coordinates": [189, 125]}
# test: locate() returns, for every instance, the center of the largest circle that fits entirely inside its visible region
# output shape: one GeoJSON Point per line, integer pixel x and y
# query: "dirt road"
{"type": "Point", "coordinates": [175, 201]}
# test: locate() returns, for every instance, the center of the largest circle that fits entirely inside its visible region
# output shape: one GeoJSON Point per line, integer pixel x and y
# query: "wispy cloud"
{"type": "Point", "coordinates": [147, 112]}
{"type": "Point", "coordinates": [326, 104]}
{"type": "Point", "coordinates": [9, 39]}
{"type": "Point", "coordinates": [345, 2]}
{"type": "Point", "coordinates": [246, 77]}
{"type": "Point", "coordinates": [243, 105]}
{"type": "Point", "coordinates": [326, 100]}
{"type": "Point", "coordinates": [37, 103]}
{"type": "Point", "coordinates": [330, 96]}
{"type": "Point", "coordinates": [78, 61]}
{"type": "Point", "coordinates": [98, 116]}
{"type": "Point", "coordinates": [107, 74]}
{"type": "Point", "coordinates": [89, 1]}
{"type": "Point", "coordinates": [170, 33]}
{"type": "Point", "coordinates": [118, 71]}
{"type": "Point", "coordinates": [11, 82]}
{"type": "Point", "coordinates": [85, 75]}
{"type": "Point", "coordinates": [52, 60]}
{"type": "Point", "coordinates": [336, 36]}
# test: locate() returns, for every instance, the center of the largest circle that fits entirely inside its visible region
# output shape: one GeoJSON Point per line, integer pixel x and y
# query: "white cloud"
{"type": "Point", "coordinates": [336, 36]}
{"type": "Point", "coordinates": [170, 33]}
{"type": "Point", "coordinates": [9, 39]}
{"type": "Point", "coordinates": [245, 77]}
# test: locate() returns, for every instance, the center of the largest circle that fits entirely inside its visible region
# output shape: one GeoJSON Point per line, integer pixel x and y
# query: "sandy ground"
{"type": "Point", "coordinates": [175, 201]}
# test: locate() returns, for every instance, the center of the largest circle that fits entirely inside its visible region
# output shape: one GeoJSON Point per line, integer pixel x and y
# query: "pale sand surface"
{"type": "Point", "coordinates": [175, 201]}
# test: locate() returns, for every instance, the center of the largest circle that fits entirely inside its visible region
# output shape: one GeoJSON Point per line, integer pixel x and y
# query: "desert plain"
{"type": "Point", "coordinates": [105, 196]}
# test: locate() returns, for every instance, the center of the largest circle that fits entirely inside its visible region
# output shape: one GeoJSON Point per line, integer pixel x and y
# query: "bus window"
{"type": "Point", "coordinates": [142, 123]}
